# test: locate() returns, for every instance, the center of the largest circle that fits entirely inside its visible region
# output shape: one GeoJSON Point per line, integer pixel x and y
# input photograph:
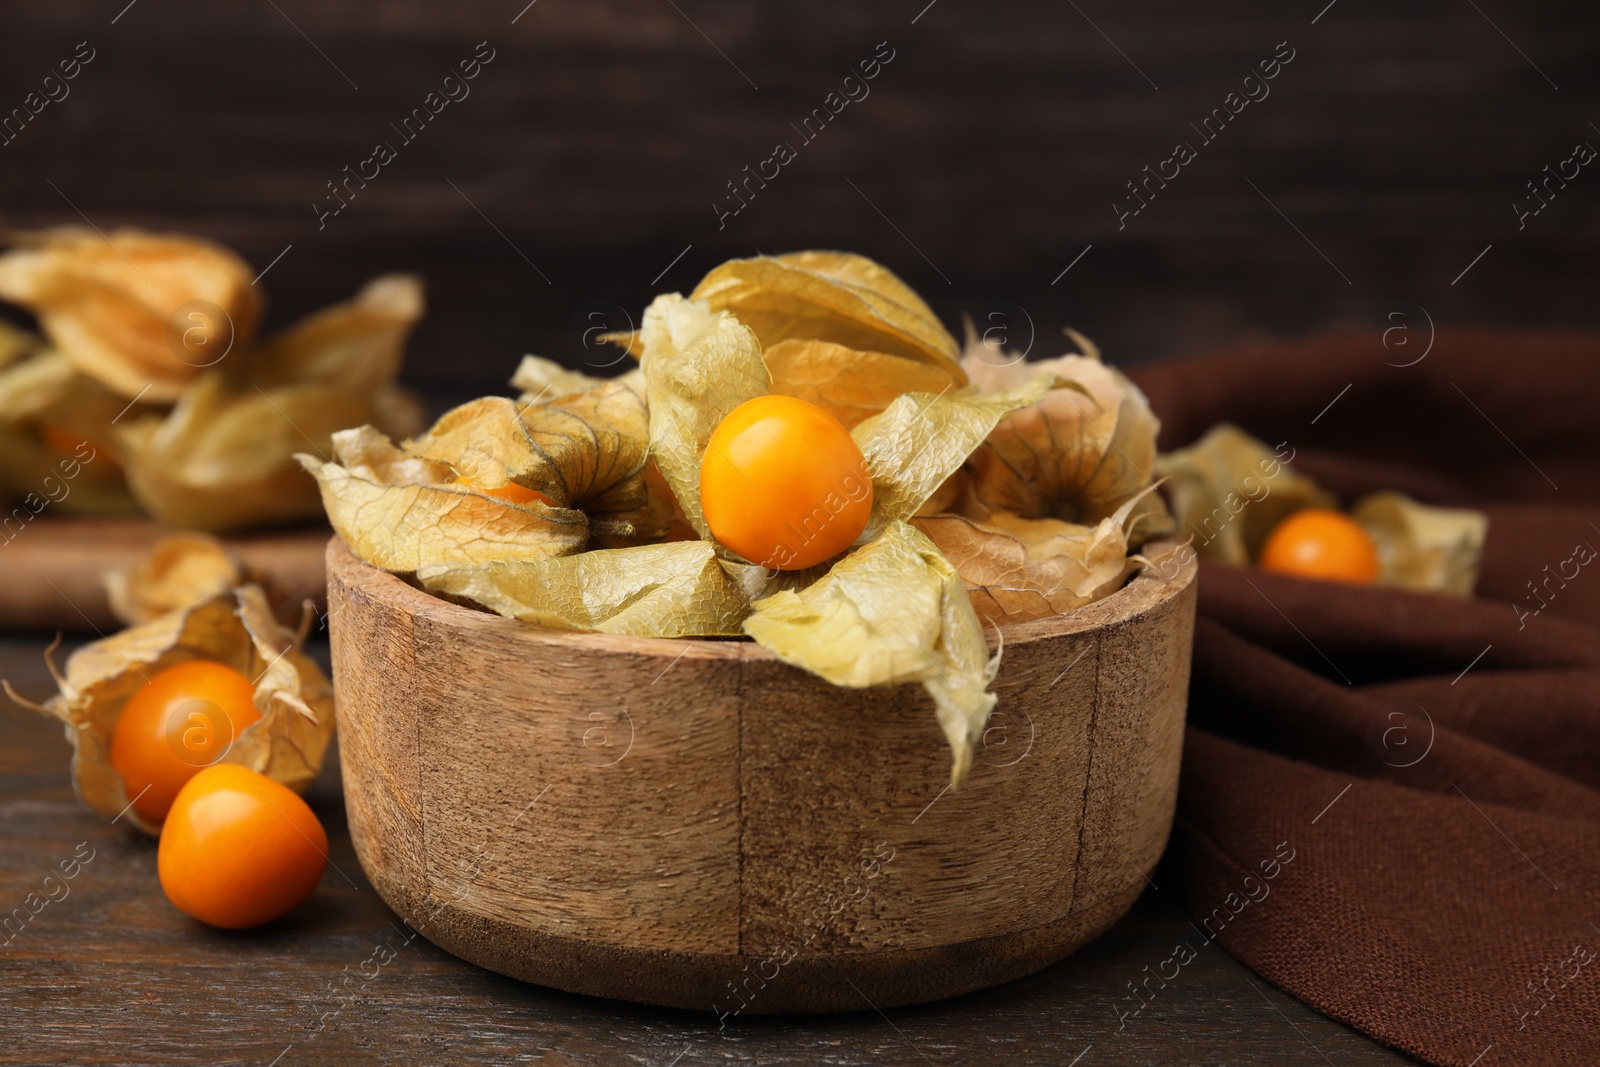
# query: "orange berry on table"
{"type": "Point", "coordinates": [239, 849]}
{"type": "Point", "coordinates": [784, 484]}
{"type": "Point", "coordinates": [182, 719]}
{"type": "Point", "coordinates": [1321, 544]}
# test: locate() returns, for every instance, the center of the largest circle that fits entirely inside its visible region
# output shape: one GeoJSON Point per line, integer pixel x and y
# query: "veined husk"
{"type": "Point", "coordinates": [830, 296]}
{"type": "Point", "coordinates": [1086, 448]}
{"type": "Point", "coordinates": [223, 457]}
{"type": "Point", "coordinates": [698, 365]}
{"type": "Point", "coordinates": [1228, 490]}
{"type": "Point", "coordinates": [894, 610]}
{"type": "Point", "coordinates": [675, 589]}
{"type": "Point", "coordinates": [55, 426]}
{"type": "Point", "coordinates": [17, 343]}
{"type": "Point", "coordinates": [586, 451]}
{"type": "Point", "coordinates": [110, 304]}
{"type": "Point", "coordinates": [1017, 569]}
{"type": "Point", "coordinates": [541, 380]}
{"type": "Point", "coordinates": [426, 503]}
{"type": "Point", "coordinates": [236, 628]}
{"type": "Point", "coordinates": [180, 570]}
{"type": "Point", "coordinates": [849, 384]}
{"type": "Point", "coordinates": [1427, 549]}
{"type": "Point", "coordinates": [356, 346]}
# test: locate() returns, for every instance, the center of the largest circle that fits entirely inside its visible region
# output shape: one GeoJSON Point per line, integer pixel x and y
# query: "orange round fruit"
{"type": "Point", "coordinates": [512, 493]}
{"type": "Point", "coordinates": [784, 484]}
{"type": "Point", "coordinates": [184, 718]}
{"type": "Point", "coordinates": [1321, 544]}
{"type": "Point", "coordinates": [239, 849]}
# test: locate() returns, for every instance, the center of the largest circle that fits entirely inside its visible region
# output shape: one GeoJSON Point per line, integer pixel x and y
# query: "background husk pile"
{"type": "Point", "coordinates": [1002, 491]}
{"type": "Point", "coordinates": [150, 390]}
{"type": "Point", "coordinates": [1228, 490]}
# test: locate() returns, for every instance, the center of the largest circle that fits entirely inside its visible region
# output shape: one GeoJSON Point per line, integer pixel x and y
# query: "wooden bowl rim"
{"type": "Point", "coordinates": [1144, 592]}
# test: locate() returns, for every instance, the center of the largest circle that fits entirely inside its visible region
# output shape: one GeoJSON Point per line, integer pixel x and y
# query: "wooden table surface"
{"type": "Point", "coordinates": [113, 974]}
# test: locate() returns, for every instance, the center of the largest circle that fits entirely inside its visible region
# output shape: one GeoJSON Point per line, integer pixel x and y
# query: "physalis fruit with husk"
{"type": "Point", "coordinates": [234, 628]}
{"type": "Point", "coordinates": [620, 467]}
{"type": "Point", "coordinates": [1230, 492]}
{"type": "Point", "coordinates": [151, 363]}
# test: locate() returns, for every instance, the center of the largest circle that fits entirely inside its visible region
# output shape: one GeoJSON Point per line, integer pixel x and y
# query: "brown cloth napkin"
{"type": "Point", "coordinates": [1430, 767]}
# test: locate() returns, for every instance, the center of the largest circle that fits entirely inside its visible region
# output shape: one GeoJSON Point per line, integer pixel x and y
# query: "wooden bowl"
{"type": "Point", "coordinates": [696, 824]}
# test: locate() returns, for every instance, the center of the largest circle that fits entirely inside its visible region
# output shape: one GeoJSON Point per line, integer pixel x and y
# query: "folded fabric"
{"type": "Point", "coordinates": [1430, 767]}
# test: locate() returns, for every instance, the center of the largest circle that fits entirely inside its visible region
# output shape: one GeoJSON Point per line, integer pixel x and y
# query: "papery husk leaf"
{"type": "Point", "coordinates": [893, 610]}
{"type": "Point", "coordinates": [55, 433]}
{"type": "Point", "coordinates": [402, 512]}
{"type": "Point", "coordinates": [37, 475]}
{"type": "Point", "coordinates": [921, 439]}
{"type": "Point", "coordinates": [1086, 448]}
{"type": "Point", "coordinates": [1228, 490]}
{"type": "Point", "coordinates": [108, 303]}
{"type": "Point", "coordinates": [179, 571]}
{"type": "Point", "coordinates": [1427, 549]}
{"type": "Point", "coordinates": [542, 380]}
{"type": "Point", "coordinates": [830, 296]}
{"type": "Point", "coordinates": [630, 341]}
{"type": "Point", "coordinates": [698, 365]}
{"type": "Point", "coordinates": [676, 589]}
{"type": "Point", "coordinates": [223, 459]}
{"type": "Point", "coordinates": [1017, 569]}
{"type": "Point", "coordinates": [356, 346]}
{"type": "Point", "coordinates": [851, 268]}
{"type": "Point", "coordinates": [850, 385]}
{"type": "Point", "coordinates": [947, 496]}
{"type": "Point", "coordinates": [237, 628]}
{"type": "Point", "coordinates": [587, 450]}
{"type": "Point", "coordinates": [16, 344]}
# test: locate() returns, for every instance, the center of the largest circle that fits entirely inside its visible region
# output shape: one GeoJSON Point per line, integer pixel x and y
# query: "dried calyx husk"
{"type": "Point", "coordinates": [235, 628]}
{"type": "Point", "coordinates": [1423, 548]}
{"type": "Point", "coordinates": [496, 479]}
{"type": "Point", "coordinates": [179, 571]}
{"type": "Point", "coordinates": [1079, 454]}
{"type": "Point", "coordinates": [1049, 511]}
{"type": "Point", "coordinates": [150, 360]}
{"type": "Point", "coordinates": [836, 329]}
{"type": "Point", "coordinates": [223, 457]}
{"type": "Point", "coordinates": [56, 433]}
{"type": "Point", "coordinates": [113, 304]}
{"type": "Point", "coordinates": [1228, 491]}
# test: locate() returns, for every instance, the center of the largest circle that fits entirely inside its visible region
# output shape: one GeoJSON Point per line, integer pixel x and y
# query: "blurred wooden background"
{"type": "Point", "coordinates": [986, 158]}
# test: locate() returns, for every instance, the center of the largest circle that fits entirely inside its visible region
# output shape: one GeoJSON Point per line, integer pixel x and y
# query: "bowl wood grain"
{"type": "Point", "coordinates": [694, 823]}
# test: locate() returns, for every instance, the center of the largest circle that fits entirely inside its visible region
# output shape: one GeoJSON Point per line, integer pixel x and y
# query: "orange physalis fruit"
{"type": "Point", "coordinates": [784, 484]}
{"type": "Point", "coordinates": [512, 493]}
{"type": "Point", "coordinates": [1321, 544]}
{"type": "Point", "coordinates": [181, 720]}
{"type": "Point", "coordinates": [239, 849]}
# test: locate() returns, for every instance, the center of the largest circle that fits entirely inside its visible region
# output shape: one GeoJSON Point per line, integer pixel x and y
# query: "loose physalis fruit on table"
{"type": "Point", "coordinates": [239, 849]}
{"type": "Point", "coordinates": [784, 484]}
{"type": "Point", "coordinates": [183, 719]}
{"type": "Point", "coordinates": [1322, 544]}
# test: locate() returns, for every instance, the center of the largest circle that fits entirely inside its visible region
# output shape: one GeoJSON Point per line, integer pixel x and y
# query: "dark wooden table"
{"type": "Point", "coordinates": [113, 974]}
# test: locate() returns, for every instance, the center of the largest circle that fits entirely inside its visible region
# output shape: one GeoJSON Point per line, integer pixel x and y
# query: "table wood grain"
{"type": "Point", "coordinates": [113, 974]}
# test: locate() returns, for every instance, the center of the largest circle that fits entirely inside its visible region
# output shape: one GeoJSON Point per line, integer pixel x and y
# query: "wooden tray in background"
{"type": "Point", "coordinates": [51, 572]}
